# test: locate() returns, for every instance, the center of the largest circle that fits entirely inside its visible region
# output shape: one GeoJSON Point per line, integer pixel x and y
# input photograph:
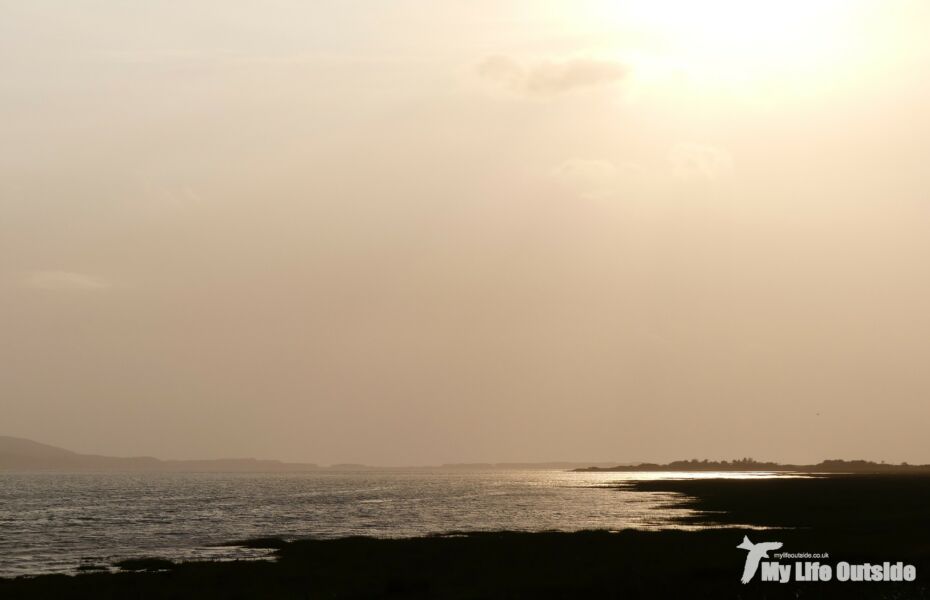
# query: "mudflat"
{"type": "Point", "coordinates": [853, 519]}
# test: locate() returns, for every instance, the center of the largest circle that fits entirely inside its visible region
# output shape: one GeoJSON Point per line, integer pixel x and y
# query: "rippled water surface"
{"type": "Point", "coordinates": [58, 522]}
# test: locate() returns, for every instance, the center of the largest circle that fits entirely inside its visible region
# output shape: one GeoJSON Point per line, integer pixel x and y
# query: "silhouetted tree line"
{"type": "Point", "coordinates": [750, 464]}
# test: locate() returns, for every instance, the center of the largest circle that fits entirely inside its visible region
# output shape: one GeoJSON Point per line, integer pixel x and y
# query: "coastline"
{"type": "Point", "coordinates": [853, 517]}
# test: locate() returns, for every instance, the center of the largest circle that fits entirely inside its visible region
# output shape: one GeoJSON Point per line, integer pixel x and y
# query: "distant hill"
{"type": "Point", "coordinates": [748, 464]}
{"type": "Point", "coordinates": [529, 466]}
{"type": "Point", "coordinates": [18, 454]}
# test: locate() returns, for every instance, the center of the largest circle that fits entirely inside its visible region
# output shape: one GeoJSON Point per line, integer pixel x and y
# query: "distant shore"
{"type": "Point", "coordinates": [861, 518]}
{"type": "Point", "coordinates": [750, 465]}
{"type": "Point", "coordinates": [18, 455]}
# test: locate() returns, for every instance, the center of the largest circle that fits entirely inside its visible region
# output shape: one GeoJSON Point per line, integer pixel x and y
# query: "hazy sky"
{"type": "Point", "coordinates": [408, 232]}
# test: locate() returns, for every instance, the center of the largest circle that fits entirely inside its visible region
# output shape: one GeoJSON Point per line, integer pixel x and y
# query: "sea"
{"type": "Point", "coordinates": [66, 522]}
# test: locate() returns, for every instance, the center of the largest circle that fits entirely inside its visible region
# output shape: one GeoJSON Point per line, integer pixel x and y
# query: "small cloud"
{"type": "Point", "coordinates": [64, 281]}
{"type": "Point", "coordinates": [594, 178]}
{"type": "Point", "coordinates": [551, 78]}
{"type": "Point", "coordinates": [585, 174]}
{"type": "Point", "coordinates": [501, 69]}
{"type": "Point", "coordinates": [696, 162]}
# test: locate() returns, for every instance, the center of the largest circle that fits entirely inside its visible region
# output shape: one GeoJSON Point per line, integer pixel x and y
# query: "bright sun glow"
{"type": "Point", "coordinates": [734, 42]}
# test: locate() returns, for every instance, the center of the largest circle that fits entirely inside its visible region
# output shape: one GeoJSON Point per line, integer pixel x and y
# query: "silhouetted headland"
{"type": "Point", "coordinates": [748, 465]}
{"type": "Point", "coordinates": [19, 454]}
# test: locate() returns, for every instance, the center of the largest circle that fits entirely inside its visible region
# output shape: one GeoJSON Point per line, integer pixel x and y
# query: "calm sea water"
{"type": "Point", "coordinates": [57, 522]}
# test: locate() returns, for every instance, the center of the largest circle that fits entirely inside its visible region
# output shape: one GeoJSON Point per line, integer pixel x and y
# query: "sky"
{"type": "Point", "coordinates": [427, 231]}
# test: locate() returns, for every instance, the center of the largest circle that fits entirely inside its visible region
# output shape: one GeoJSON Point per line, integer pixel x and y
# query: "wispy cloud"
{"type": "Point", "coordinates": [699, 162]}
{"type": "Point", "coordinates": [551, 78]}
{"type": "Point", "coordinates": [593, 177]}
{"type": "Point", "coordinates": [64, 281]}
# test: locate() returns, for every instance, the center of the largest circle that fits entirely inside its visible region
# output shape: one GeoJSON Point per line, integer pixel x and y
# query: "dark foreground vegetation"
{"type": "Point", "coordinates": [854, 518]}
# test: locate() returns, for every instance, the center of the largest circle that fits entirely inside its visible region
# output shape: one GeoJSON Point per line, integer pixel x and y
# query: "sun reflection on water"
{"type": "Point", "coordinates": [58, 522]}
{"type": "Point", "coordinates": [621, 476]}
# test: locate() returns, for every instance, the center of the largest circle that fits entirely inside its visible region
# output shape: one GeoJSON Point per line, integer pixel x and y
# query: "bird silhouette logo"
{"type": "Point", "coordinates": [756, 553]}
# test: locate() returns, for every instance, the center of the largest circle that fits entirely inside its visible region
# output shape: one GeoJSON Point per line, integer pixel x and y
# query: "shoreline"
{"type": "Point", "coordinates": [856, 518]}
